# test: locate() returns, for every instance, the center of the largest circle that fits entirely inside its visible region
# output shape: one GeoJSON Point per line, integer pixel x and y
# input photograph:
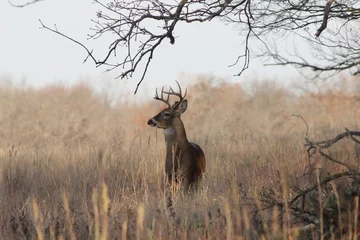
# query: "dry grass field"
{"type": "Point", "coordinates": [73, 167]}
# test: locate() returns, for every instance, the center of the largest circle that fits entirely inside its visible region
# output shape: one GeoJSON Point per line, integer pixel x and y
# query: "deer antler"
{"type": "Point", "coordinates": [162, 97]}
{"type": "Point", "coordinates": [172, 92]}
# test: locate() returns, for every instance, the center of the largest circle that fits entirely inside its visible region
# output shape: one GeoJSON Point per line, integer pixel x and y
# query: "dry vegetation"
{"type": "Point", "coordinates": [73, 167]}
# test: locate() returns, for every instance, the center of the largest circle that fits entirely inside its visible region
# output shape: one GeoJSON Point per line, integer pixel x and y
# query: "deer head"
{"type": "Point", "coordinates": [164, 118]}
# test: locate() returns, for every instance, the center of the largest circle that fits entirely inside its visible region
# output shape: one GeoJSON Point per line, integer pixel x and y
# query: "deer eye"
{"type": "Point", "coordinates": [167, 115]}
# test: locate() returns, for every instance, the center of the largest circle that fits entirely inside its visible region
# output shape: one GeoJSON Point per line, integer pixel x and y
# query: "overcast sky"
{"type": "Point", "coordinates": [40, 57]}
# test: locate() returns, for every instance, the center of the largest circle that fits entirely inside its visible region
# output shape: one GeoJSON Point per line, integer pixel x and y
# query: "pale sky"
{"type": "Point", "coordinates": [40, 57]}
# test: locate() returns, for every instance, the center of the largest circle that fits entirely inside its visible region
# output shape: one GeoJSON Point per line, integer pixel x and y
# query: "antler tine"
{"type": "Point", "coordinates": [162, 97]}
{"type": "Point", "coordinates": [168, 96]}
{"type": "Point", "coordinates": [172, 92]}
{"type": "Point", "coordinates": [179, 87]}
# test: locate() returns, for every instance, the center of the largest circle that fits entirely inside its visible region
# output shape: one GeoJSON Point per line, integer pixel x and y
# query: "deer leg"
{"type": "Point", "coordinates": [170, 191]}
{"type": "Point", "coordinates": [169, 206]}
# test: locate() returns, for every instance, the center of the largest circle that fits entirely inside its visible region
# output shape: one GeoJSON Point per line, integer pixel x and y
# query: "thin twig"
{"type": "Point", "coordinates": [25, 4]}
{"type": "Point", "coordinates": [334, 160]}
{"type": "Point", "coordinates": [301, 117]}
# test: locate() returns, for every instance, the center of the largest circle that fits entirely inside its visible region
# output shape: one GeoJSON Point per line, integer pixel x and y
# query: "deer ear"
{"type": "Point", "coordinates": [181, 108]}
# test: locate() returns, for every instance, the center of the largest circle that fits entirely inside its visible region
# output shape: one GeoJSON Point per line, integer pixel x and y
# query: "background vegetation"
{"type": "Point", "coordinates": [74, 167]}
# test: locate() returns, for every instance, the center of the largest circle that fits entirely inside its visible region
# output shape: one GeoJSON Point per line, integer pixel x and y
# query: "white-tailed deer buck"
{"type": "Point", "coordinates": [184, 159]}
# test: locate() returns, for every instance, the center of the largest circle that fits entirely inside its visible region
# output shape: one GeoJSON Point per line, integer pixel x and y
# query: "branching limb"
{"type": "Point", "coordinates": [55, 30]}
{"type": "Point", "coordinates": [335, 160]}
{"type": "Point", "coordinates": [328, 143]}
{"type": "Point", "coordinates": [352, 137]}
{"type": "Point", "coordinates": [336, 51]}
{"type": "Point", "coordinates": [318, 146]}
{"type": "Point", "coordinates": [140, 27]}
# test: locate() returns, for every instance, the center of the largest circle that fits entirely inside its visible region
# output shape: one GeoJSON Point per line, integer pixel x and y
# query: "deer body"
{"type": "Point", "coordinates": [185, 161]}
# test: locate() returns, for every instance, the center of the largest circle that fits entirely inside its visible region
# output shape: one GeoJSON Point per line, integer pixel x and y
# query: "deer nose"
{"type": "Point", "coordinates": [151, 122]}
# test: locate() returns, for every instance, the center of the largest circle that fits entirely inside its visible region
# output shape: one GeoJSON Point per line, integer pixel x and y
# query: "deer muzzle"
{"type": "Point", "coordinates": [152, 122]}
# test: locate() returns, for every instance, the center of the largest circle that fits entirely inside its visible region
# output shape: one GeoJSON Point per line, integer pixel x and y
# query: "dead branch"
{"type": "Point", "coordinates": [326, 16]}
{"type": "Point", "coordinates": [305, 204]}
{"type": "Point", "coordinates": [313, 146]}
{"type": "Point", "coordinates": [24, 4]}
{"type": "Point", "coordinates": [352, 137]}
{"type": "Point", "coordinates": [306, 125]}
{"type": "Point", "coordinates": [335, 160]}
{"type": "Point", "coordinates": [326, 180]}
{"type": "Point", "coordinates": [328, 143]}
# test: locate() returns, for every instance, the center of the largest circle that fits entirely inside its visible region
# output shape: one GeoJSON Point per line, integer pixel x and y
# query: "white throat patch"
{"type": "Point", "coordinates": [169, 131]}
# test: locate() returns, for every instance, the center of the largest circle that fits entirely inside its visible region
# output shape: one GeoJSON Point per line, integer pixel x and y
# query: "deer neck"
{"type": "Point", "coordinates": [175, 136]}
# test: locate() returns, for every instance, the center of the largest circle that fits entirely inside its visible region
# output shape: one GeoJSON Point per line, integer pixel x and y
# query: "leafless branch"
{"type": "Point", "coordinates": [328, 143]}
{"type": "Point", "coordinates": [306, 125]}
{"type": "Point", "coordinates": [337, 50]}
{"type": "Point", "coordinates": [352, 137]}
{"type": "Point", "coordinates": [334, 160]}
{"type": "Point", "coordinates": [141, 26]}
{"type": "Point", "coordinates": [54, 30]}
{"type": "Point", "coordinates": [326, 16]}
{"type": "Point", "coordinates": [24, 4]}
{"type": "Point", "coordinates": [319, 193]}
{"type": "Point", "coordinates": [326, 180]}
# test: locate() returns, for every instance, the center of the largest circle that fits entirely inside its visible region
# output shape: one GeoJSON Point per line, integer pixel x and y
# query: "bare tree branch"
{"type": "Point", "coordinates": [306, 125]}
{"type": "Point", "coordinates": [352, 137]}
{"type": "Point", "coordinates": [54, 30]}
{"type": "Point", "coordinates": [317, 201]}
{"type": "Point", "coordinates": [326, 16]}
{"type": "Point", "coordinates": [335, 160]}
{"type": "Point", "coordinates": [326, 180]}
{"type": "Point", "coordinates": [24, 4]}
{"type": "Point", "coordinates": [139, 27]}
{"type": "Point", "coordinates": [335, 51]}
{"type": "Point", "coordinates": [328, 143]}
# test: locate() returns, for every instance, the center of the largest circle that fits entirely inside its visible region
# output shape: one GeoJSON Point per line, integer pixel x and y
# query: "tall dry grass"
{"type": "Point", "coordinates": [73, 167]}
